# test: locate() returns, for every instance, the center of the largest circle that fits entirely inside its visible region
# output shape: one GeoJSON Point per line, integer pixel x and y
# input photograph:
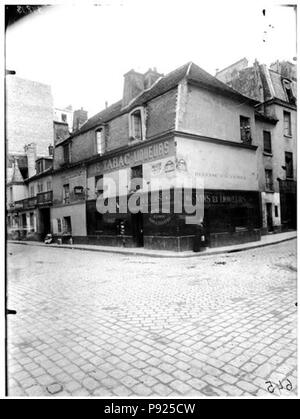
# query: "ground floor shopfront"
{"type": "Point", "coordinates": [30, 218]}
{"type": "Point", "coordinates": [230, 217]}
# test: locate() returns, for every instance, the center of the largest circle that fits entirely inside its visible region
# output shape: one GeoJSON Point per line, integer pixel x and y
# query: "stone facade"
{"type": "Point", "coordinates": [29, 115]}
{"type": "Point", "coordinates": [276, 90]}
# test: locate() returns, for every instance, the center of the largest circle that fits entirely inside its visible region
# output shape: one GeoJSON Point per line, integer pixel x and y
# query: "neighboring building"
{"type": "Point", "coordinates": [28, 115]}
{"type": "Point", "coordinates": [64, 115]}
{"type": "Point", "coordinates": [184, 121]}
{"type": "Point", "coordinates": [276, 114]}
{"type": "Point", "coordinates": [31, 132]}
{"type": "Point", "coordinates": [29, 195]}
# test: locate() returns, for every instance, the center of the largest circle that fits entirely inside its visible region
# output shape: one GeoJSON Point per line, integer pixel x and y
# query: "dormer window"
{"type": "Point", "coordinates": [288, 91]}
{"type": "Point", "coordinates": [39, 166]}
{"type": "Point", "coordinates": [100, 141]}
{"type": "Point", "coordinates": [137, 125]}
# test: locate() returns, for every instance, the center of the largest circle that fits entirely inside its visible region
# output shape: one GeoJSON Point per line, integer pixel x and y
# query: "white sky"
{"type": "Point", "coordinates": [83, 51]}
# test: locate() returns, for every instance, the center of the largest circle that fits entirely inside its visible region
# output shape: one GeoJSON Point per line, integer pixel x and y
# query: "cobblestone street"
{"type": "Point", "coordinates": [95, 324]}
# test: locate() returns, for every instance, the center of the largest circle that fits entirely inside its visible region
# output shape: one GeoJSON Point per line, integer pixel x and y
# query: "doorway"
{"type": "Point", "coordinates": [269, 217]}
{"type": "Point", "coordinates": [45, 225]}
{"type": "Point", "coordinates": [138, 229]}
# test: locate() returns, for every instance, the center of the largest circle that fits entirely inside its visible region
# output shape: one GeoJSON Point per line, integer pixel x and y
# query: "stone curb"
{"type": "Point", "coordinates": [158, 255]}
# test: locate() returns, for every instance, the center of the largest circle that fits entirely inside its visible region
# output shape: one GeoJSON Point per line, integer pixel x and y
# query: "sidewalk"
{"type": "Point", "coordinates": [265, 241]}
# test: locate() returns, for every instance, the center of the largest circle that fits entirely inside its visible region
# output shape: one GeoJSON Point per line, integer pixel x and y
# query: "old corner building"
{"type": "Point", "coordinates": [240, 142]}
{"type": "Point", "coordinates": [186, 119]}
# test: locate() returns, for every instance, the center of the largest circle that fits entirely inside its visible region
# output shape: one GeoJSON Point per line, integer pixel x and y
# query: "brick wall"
{"type": "Point", "coordinates": [161, 113]}
{"type": "Point", "coordinates": [118, 132]}
{"type": "Point", "coordinates": [29, 115]}
{"type": "Point", "coordinates": [160, 117]}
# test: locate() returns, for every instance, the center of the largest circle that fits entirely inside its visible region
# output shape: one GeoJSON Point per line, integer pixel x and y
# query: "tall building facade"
{"type": "Point", "coordinates": [186, 122]}
{"type": "Point", "coordinates": [276, 116]}
{"type": "Point", "coordinates": [28, 115]}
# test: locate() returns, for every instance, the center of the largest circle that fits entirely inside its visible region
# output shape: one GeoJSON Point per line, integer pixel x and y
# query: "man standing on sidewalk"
{"type": "Point", "coordinates": [200, 238]}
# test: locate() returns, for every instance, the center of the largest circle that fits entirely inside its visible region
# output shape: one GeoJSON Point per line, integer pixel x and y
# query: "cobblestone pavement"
{"type": "Point", "coordinates": [92, 324]}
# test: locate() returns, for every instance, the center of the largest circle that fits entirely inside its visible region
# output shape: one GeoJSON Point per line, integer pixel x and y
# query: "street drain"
{"type": "Point", "coordinates": [54, 388]}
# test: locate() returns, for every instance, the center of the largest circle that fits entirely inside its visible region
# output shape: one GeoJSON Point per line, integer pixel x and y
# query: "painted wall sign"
{"type": "Point", "coordinates": [133, 158]}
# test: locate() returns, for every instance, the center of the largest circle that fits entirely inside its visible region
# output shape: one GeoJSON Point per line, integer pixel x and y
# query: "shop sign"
{"type": "Point", "coordinates": [151, 152]}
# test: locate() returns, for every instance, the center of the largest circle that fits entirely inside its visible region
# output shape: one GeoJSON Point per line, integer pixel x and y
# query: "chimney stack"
{"type": "Point", "coordinates": [79, 118]}
{"type": "Point", "coordinates": [30, 151]}
{"type": "Point", "coordinates": [150, 77]}
{"type": "Point", "coordinates": [133, 86]}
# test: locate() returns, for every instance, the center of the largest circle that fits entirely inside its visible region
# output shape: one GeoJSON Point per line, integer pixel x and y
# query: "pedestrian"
{"type": "Point", "coordinates": [199, 238]}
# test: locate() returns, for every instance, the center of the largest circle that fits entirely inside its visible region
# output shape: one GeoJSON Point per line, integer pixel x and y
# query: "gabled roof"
{"type": "Point", "coordinates": [190, 71]}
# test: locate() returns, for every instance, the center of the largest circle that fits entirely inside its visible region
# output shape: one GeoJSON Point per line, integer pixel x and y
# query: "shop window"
{"type": "Point", "coordinates": [100, 141]}
{"type": "Point", "coordinates": [269, 179]}
{"type": "Point", "coordinates": [267, 142]}
{"type": "Point", "coordinates": [289, 165]}
{"type": "Point", "coordinates": [287, 123]}
{"type": "Point", "coordinates": [136, 125]}
{"type": "Point", "coordinates": [67, 153]}
{"type": "Point", "coordinates": [245, 129]}
{"type": "Point", "coordinates": [66, 193]}
{"type": "Point", "coordinates": [59, 230]}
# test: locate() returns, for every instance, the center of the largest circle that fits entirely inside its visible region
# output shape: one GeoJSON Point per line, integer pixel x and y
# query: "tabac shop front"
{"type": "Point", "coordinates": [230, 198]}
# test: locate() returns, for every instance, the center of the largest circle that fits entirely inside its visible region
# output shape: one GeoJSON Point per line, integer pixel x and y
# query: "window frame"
{"type": "Point", "coordinates": [133, 176]}
{"type": "Point", "coordinates": [103, 147]}
{"type": "Point", "coordinates": [287, 86]}
{"type": "Point", "coordinates": [31, 191]}
{"type": "Point", "coordinates": [40, 187]}
{"type": "Point", "coordinates": [245, 135]}
{"type": "Point", "coordinates": [269, 185]}
{"type": "Point", "coordinates": [49, 183]}
{"type": "Point", "coordinates": [269, 151]}
{"type": "Point", "coordinates": [66, 196]}
{"type": "Point", "coordinates": [289, 133]}
{"type": "Point", "coordinates": [59, 225]}
{"type": "Point", "coordinates": [132, 136]}
{"type": "Point", "coordinates": [98, 192]}
{"type": "Point", "coordinates": [290, 155]}
{"type": "Point", "coordinates": [67, 147]}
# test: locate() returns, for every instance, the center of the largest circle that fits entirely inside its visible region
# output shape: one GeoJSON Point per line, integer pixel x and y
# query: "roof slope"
{"type": "Point", "coordinates": [190, 71]}
{"type": "Point", "coordinates": [276, 80]}
{"type": "Point", "coordinates": [205, 79]}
